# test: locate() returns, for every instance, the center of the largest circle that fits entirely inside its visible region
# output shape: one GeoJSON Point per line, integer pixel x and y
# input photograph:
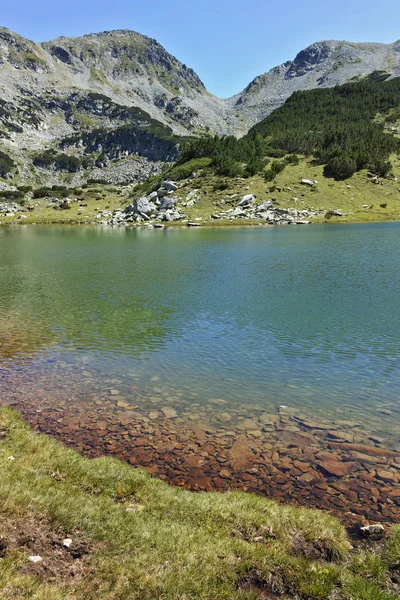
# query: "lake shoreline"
{"type": "Point", "coordinates": [78, 527]}
{"type": "Point", "coordinates": [301, 460]}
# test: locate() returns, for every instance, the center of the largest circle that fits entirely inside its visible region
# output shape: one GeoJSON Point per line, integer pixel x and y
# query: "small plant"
{"type": "Point", "coordinates": [220, 185]}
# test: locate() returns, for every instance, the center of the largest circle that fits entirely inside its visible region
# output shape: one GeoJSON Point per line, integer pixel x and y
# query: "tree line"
{"type": "Point", "coordinates": [342, 128]}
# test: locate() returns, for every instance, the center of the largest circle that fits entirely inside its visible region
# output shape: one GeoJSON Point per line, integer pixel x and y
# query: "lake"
{"type": "Point", "coordinates": [262, 358]}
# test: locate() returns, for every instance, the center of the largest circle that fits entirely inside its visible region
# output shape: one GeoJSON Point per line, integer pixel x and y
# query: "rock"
{"type": "Point", "coordinates": [67, 542]}
{"type": "Point", "coordinates": [241, 455]}
{"type": "Point", "coordinates": [10, 457]}
{"type": "Point", "coordinates": [364, 449]}
{"type": "Point", "coordinates": [191, 224]}
{"type": "Point", "coordinates": [172, 215]}
{"type": "Point", "coordinates": [338, 213]}
{"type": "Point", "coordinates": [307, 182]}
{"type": "Point", "coordinates": [247, 200]}
{"type": "Point", "coordinates": [225, 474]}
{"type": "Point", "coordinates": [336, 468]}
{"type": "Point", "coordinates": [376, 529]}
{"type": "Point", "coordinates": [169, 413]}
{"type": "Point", "coordinates": [239, 212]}
{"type": "Point", "coordinates": [264, 206]}
{"type": "Point", "coordinates": [386, 475]}
{"type": "Point", "coordinates": [168, 203]}
{"type": "Point", "coordinates": [192, 196]}
{"type": "Point", "coordinates": [170, 186]}
{"type": "Point", "coordinates": [141, 206]}
{"type": "Point", "coordinates": [35, 559]}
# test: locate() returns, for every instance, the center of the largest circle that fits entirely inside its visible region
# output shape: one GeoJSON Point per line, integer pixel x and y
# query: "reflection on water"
{"type": "Point", "coordinates": [308, 318]}
{"type": "Point", "coordinates": [247, 314]}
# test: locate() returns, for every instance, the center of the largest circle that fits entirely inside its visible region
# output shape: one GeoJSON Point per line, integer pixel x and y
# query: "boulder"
{"type": "Point", "coordinates": [192, 195]}
{"type": "Point", "coordinates": [168, 203]}
{"type": "Point", "coordinates": [171, 215]}
{"type": "Point", "coordinates": [247, 200]}
{"type": "Point", "coordinates": [307, 182]}
{"type": "Point", "coordinates": [266, 205]}
{"type": "Point", "coordinates": [142, 206]}
{"type": "Point", "coordinates": [170, 186]}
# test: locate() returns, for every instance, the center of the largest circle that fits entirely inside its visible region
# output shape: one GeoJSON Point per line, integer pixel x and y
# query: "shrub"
{"type": "Point", "coordinates": [183, 171]}
{"type": "Point", "coordinates": [383, 205]}
{"type": "Point", "coordinates": [329, 214]}
{"type": "Point", "coordinates": [226, 165]}
{"type": "Point", "coordinates": [221, 185]}
{"type": "Point", "coordinates": [341, 167]}
{"type": "Point", "coordinates": [6, 164]}
{"type": "Point", "coordinates": [12, 194]}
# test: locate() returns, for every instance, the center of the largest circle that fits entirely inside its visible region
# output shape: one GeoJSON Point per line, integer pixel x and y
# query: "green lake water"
{"type": "Point", "coordinates": [306, 317]}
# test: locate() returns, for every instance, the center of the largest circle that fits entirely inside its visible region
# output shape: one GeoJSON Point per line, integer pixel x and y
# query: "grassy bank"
{"type": "Point", "coordinates": [136, 537]}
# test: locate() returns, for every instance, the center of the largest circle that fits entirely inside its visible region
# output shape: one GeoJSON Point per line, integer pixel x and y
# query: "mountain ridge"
{"type": "Point", "coordinates": [101, 82]}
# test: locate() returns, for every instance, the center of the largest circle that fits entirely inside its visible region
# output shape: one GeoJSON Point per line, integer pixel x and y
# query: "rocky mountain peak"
{"type": "Point", "coordinates": [125, 53]}
{"type": "Point", "coordinates": [310, 57]}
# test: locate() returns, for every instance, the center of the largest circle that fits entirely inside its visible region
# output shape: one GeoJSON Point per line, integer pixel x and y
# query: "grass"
{"type": "Point", "coordinates": [98, 198]}
{"type": "Point", "coordinates": [349, 196]}
{"type": "Point", "coordinates": [170, 544]}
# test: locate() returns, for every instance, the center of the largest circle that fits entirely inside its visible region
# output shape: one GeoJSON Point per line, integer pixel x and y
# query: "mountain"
{"type": "Point", "coordinates": [115, 106]}
{"type": "Point", "coordinates": [321, 65]}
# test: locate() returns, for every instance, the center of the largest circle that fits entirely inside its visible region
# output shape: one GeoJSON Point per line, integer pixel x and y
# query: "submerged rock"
{"type": "Point", "coordinates": [369, 530]}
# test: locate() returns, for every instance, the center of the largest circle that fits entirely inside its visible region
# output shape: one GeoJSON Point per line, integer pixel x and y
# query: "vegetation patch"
{"type": "Point", "coordinates": [7, 165]}
{"type": "Point", "coordinates": [337, 126]}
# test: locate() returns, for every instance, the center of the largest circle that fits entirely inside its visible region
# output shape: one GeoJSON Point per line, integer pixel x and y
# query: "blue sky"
{"type": "Point", "coordinates": [227, 42]}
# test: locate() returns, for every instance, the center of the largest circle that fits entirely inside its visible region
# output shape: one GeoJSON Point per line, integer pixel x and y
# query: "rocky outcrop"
{"type": "Point", "coordinates": [156, 207]}
{"type": "Point", "coordinates": [162, 205]}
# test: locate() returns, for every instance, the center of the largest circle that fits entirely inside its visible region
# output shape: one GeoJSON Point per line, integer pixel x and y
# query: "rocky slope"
{"type": "Point", "coordinates": [114, 106]}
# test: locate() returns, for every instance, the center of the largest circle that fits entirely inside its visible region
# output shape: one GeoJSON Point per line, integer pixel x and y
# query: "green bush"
{"type": "Point", "coordinates": [221, 185]}
{"type": "Point", "coordinates": [11, 195]}
{"type": "Point", "coordinates": [227, 166]}
{"type": "Point", "coordinates": [62, 162]}
{"type": "Point", "coordinates": [59, 190]}
{"type": "Point", "coordinates": [6, 164]}
{"type": "Point", "coordinates": [184, 171]}
{"type": "Point", "coordinates": [341, 167]}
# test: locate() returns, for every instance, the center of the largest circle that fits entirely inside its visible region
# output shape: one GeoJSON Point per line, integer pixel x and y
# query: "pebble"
{"type": "Point", "coordinates": [35, 559]}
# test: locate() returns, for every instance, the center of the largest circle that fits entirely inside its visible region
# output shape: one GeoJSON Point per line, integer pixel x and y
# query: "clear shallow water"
{"type": "Point", "coordinates": [265, 359]}
{"type": "Point", "coordinates": [299, 316]}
